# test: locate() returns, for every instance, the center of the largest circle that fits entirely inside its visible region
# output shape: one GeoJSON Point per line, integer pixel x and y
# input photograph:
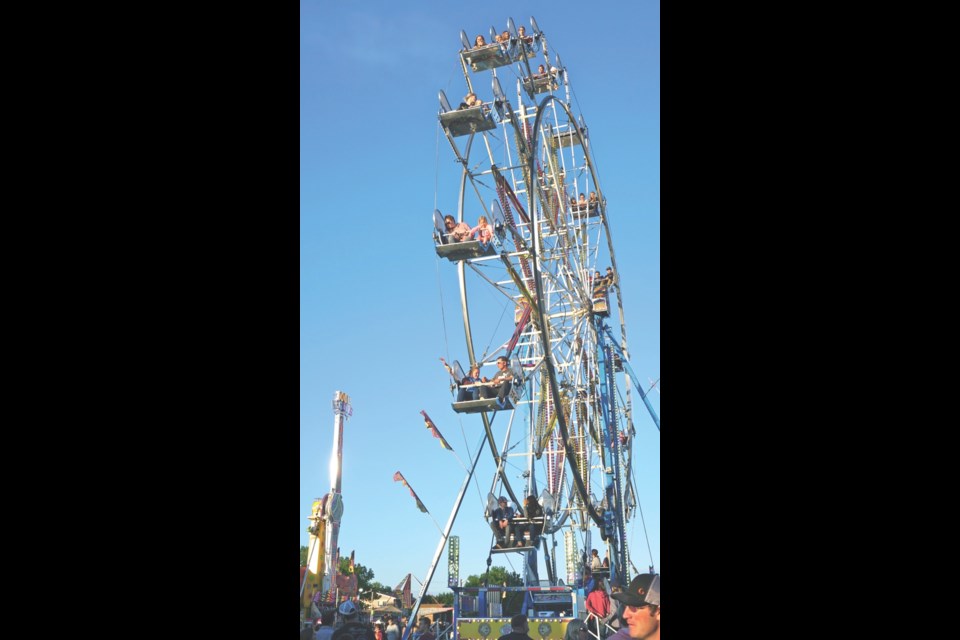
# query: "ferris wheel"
{"type": "Point", "coordinates": [541, 289]}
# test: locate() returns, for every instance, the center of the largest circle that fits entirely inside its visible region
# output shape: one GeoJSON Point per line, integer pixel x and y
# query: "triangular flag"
{"type": "Point", "coordinates": [406, 599]}
{"type": "Point", "coordinates": [436, 432]}
{"type": "Point", "coordinates": [398, 477]}
{"type": "Point", "coordinates": [404, 592]}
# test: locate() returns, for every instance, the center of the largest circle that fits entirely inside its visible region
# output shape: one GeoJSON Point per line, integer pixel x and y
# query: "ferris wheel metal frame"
{"type": "Point", "coordinates": [565, 355]}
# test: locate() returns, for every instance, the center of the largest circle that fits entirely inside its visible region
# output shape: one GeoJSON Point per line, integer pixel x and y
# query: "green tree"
{"type": "Point", "coordinates": [364, 575]}
{"type": "Point", "coordinates": [445, 598]}
{"type": "Point", "coordinates": [496, 575]}
{"type": "Point", "coordinates": [303, 556]}
{"type": "Point", "coordinates": [379, 587]}
{"type": "Point", "coordinates": [500, 576]}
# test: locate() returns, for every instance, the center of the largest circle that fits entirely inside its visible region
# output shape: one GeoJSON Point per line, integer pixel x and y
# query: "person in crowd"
{"type": "Point", "coordinates": [518, 629]}
{"type": "Point", "coordinates": [483, 232]}
{"type": "Point", "coordinates": [392, 630]}
{"type": "Point", "coordinates": [504, 38]}
{"type": "Point", "coordinates": [642, 617]}
{"type": "Point", "coordinates": [615, 619]}
{"type": "Point", "coordinates": [424, 629]}
{"type": "Point", "coordinates": [378, 631]}
{"type": "Point", "coordinates": [469, 393]}
{"type": "Point", "coordinates": [577, 630]}
{"type": "Point", "coordinates": [470, 100]}
{"type": "Point", "coordinates": [582, 202]}
{"type": "Point", "coordinates": [522, 35]}
{"type": "Point", "coordinates": [541, 72]}
{"type": "Point", "coordinates": [502, 522]}
{"type": "Point", "coordinates": [323, 630]}
{"type": "Point", "coordinates": [456, 231]}
{"type": "Point", "coordinates": [503, 380]}
{"type": "Point", "coordinates": [594, 200]}
{"type": "Point", "coordinates": [352, 628]}
{"type": "Point", "coordinates": [595, 562]}
{"type": "Point", "coordinates": [306, 631]}
{"type": "Point", "coordinates": [598, 603]}
{"type": "Point", "coordinates": [464, 394]}
{"type": "Point", "coordinates": [588, 580]}
{"type": "Point", "coordinates": [479, 42]}
{"type": "Point", "coordinates": [534, 512]}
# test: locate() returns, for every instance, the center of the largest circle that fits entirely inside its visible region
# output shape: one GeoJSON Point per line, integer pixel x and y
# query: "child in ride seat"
{"type": "Point", "coordinates": [483, 232]}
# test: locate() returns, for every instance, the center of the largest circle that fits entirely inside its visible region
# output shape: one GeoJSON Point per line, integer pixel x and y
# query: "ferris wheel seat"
{"type": "Point", "coordinates": [591, 211]}
{"type": "Point", "coordinates": [460, 122]}
{"type": "Point", "coordinates": [488, 57]}
{"type": "Point", "coordinates": [542, 84]}
{"type": "Point", "coordinates": [494, 55]}
{"type": "Point", "coordinates": [523, 549]}
{"type": "Point", "coordinates": [464, 250]}
{"type": "Point", "coordinates": [601, 307]}
{"type": "Point", "coordinates": [482, 404]}
{"type": "Point", "coordinates": [566, 139]}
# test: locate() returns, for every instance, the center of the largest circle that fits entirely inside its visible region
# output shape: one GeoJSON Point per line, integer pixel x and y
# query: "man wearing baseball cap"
{"type": "Point", "coordinates": [501, 522]}
{"type": "Point", "coordinates": [642, 611]}
{"type": "Point", "coordinates": [351, 628]}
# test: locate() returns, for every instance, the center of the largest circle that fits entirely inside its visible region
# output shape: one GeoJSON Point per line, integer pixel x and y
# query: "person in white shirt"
{"type": "Point", "coordinates": [595, 561]}
{"type": "Point", "coordinates": [393, 631]}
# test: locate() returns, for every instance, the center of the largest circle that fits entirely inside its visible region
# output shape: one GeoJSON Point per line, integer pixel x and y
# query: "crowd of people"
{"type": "Point", "coordinates": [351, 628]}
{"type": "Point", "coordinates": [636, 615]}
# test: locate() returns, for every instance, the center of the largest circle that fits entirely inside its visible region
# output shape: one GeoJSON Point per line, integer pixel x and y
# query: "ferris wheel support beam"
{"type": "Point", "coordinates": [632, 376]}
{"type": "Point", "coordinates": [445, 535]}
{"type": "Point", "coordinates": [538, 285]}
{"type": "Point", "coordinates": [611, 450]}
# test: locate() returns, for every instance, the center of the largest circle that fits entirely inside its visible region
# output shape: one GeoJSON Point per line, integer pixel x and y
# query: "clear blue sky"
{"type": "Point", "coordinates": [377, 307]}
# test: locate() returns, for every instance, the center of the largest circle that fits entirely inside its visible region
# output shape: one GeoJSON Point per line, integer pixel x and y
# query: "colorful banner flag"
{"type": "Point", "coordinates": [398, 477]}
{"type": "Point", "coordinates": [436, 432]}
{"type": "Point", "coordinates": [347, 585]}
{"type": "Point", "coordinates": [407, 598]}
{"type": "Point", "coordinates": [403, 592]}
